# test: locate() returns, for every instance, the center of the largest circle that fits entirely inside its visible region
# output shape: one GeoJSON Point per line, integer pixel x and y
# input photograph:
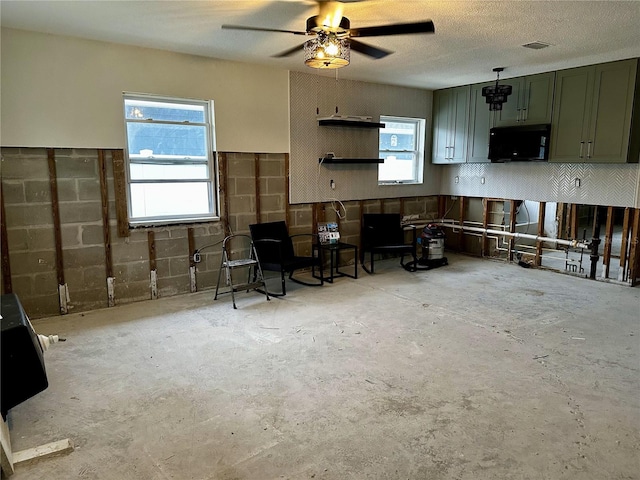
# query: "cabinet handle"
{"type": "Point", "coordinates": [589, 149]}
{"type": "Point", "coordinates": [524, 115]}
{"type": "Point", "coordinates": [581, 147]}
{"type": "Point", "coordinates": [517, 114]}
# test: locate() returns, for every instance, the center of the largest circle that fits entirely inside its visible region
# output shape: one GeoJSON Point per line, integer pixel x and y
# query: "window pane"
{"type": "Point", "coordinates": [398, 136]}
{"type": "Point", "coordinates": [397, 167]}
{"type": "Point", "coordinates": [162, 140]}
{"type": "Point", "coordinates": [162, 199]}
{"type": "Point", "coordinates": [141, 171]}
{"type": "Point", "coordinates": [167, 111]}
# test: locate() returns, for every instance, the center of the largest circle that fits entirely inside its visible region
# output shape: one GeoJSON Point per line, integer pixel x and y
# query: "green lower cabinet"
{"type": "Point", "coordinates": [593, 113]}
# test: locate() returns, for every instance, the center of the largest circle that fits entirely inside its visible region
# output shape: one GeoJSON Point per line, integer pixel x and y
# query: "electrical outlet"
{"type": "Point", "coordinates": [332, 184]}
{"type": "Point", "coordinates": [197, 258]}
{"type": "Point", "coordinates": [457, 179]}
{"type": "Point", "coordinates": [482, 180]}
{"type": "Point", "coordinates": [577, 182]}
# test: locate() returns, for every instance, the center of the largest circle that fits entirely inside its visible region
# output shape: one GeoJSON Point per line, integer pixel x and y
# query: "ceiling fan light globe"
{"type": "Point", "coordinates": [317, 53]}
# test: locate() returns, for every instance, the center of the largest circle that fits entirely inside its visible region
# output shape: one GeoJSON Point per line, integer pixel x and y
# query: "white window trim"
{"type": "Point", "coordinates": [211, 161]}
{"type": "Point", "coordinates": [420, 129]}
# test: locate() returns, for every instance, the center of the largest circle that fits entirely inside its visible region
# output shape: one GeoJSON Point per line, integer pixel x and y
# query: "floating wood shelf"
{"type": "Point", "coordinates": [336, 122]}
{"type": "Point", "coordinates": [350, 160]}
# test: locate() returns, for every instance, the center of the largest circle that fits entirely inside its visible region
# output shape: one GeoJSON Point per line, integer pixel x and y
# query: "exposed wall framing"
{"type": "Point", "coordinates": [120, 186]}
{"type": "Point", "coordinates": [7, 286]}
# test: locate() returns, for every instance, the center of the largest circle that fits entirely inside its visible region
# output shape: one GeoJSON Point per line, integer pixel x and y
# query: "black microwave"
{"type": "Point", "coordinates": [522, 143]}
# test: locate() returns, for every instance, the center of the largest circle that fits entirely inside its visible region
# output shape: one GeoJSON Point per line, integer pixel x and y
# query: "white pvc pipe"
{"type": "Point", "coordinates": [559, 241]}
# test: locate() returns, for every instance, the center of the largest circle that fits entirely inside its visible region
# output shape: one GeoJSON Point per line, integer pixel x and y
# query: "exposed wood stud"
{"type": "Point", "coordinates": [192, 245]}
{"type": "Point", "coordinates": [442, 205]}
{"type": "Point", "coordinates": [314, 217]}
{"type": "Point", "coordinates": [256, 161]}
{"type": "Point", "coordinates": [287, 211]}
{"type": "Point", "coordinates": [63, 291]}
{"type": "Point", "coordinates": [485, 224]}
{"type": "Point", "coordinates": [120, 184]}
{"type": "Point", "coordinates": [192, 265]}
{"type": "Point", "coordinates": [633, 247]}
{"type": "Point", "coordinates": [104, 196]}
{"type": "Point", "coordinates": [55, 210]}
{"type": "Point", "coordinates": [624, 245]}
{"type": "Point", "coordinates": [360, 215]}
{"type": "Point", "coordinates": [560, 218]}
{"type": "Point", "coordinates": [224, 191]}
{"type": "Point", "coordinates": [574, 222]}
{"type": "Point", "coordinates": [7, 286]}
{"type": "Point", "coordinates": [461, 219]}
{"type": "Point", "coordinates": [541, 217]}
{"type": "Point", "coordinates": [512, 227]}
{"type": "Point", "coordinates": [608, 236]}
{"type": "Point", "coordinates": [153, 273]}
{"type": "Point", "coordinates": [152, 250]}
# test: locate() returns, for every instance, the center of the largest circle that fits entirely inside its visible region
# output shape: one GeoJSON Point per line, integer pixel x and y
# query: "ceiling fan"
{"type": "Point", "coordinates": [333, 37]}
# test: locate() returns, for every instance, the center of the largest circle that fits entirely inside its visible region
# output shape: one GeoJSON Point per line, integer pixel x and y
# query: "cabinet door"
{"type": "Point", "coordinates": [459, 131]}
{"type": "Point", "coordinates": [480, 120]}
{"type": "Point", "coordinates": [537, 98]}
{"type": "Point", "coordinates": [441, 125]}
{"type": "Point", "coordinates": [510, 113]}
{"type": "Point", "coordinates": [608, 138]}
{"type": "Point", "coordinates": [571, 110]}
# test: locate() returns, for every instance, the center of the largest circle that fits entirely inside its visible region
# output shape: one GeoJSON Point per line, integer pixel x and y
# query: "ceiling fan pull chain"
{"type": "Point", "coordinates": [335, 91]}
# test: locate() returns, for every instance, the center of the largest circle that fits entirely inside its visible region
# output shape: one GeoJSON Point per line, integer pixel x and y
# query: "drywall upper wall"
{"type": "Point", "coordinates": [324, 93]}
{"type": "Point", "coordinates": [66, 92]}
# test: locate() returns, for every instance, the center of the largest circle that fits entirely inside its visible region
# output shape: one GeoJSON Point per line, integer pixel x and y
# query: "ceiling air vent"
{"type": "Point", "coordinates": [536, 45]}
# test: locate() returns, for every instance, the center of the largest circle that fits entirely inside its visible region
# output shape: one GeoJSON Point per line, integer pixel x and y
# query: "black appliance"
{"type": "Point", "coordinates": [23, 372]}
{"type": "Point", "coordinates": [520, 143]}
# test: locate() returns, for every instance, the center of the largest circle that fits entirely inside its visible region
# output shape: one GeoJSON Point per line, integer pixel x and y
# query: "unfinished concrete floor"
{"type": "Point", "coordinates": [476, 370]}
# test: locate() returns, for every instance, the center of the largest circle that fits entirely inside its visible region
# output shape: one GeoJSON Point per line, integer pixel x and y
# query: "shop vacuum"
{"type": "Point", "coordinates": [431, 241]}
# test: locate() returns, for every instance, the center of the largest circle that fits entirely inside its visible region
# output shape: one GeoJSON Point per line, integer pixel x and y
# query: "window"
{"type": "Point", "coordinates": [171, 170]}
{"type": "Point", "coordinates": [402, 148]}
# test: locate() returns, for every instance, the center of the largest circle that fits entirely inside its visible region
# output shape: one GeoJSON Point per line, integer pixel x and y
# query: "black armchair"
{"type": "Point", "coordinates": [275, 253]}
{"type": "Point", "coordinates": [383, 233]}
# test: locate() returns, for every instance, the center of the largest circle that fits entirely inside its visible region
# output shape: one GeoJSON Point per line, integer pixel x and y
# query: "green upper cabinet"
{"type": "Point", "coordinates": [450, 125]}
{"type": "Point", "coordinates": [530, 102]}
{"type": "Point", "coordinates": [592, 114]}
{"type": "Point", "coordinates": [480, 122]}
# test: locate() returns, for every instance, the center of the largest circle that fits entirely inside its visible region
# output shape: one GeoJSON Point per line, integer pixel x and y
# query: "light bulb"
{"type": "Point", "coordinates": [332, 49]}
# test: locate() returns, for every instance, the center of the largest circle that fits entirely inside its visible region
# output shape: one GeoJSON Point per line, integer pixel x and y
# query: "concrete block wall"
{"type": "Point", "coordinates": [31, 242]}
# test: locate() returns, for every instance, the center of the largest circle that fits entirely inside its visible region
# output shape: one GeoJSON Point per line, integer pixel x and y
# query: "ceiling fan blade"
{"type": "Point", "coordinates": [291, 51]}
{"type": "Point", "coordinates": [394, 29]}
{"type": "Point", "coordinates": [365, 49]}
{"type": "Point", "coordinates": [260, 29]}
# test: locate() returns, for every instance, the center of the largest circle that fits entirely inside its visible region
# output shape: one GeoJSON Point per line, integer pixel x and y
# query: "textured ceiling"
{"type": "Point", "coordinates": [471, 37]}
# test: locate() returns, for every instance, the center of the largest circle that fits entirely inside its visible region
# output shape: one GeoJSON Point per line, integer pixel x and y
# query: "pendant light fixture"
{"type": "Point", "coordinates": [496, 94]}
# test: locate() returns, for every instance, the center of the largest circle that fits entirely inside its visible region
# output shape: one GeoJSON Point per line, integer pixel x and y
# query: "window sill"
{"type": "Point", "coordinates": [134, 224]}
{"type": "Point", "coordinates": [383, 184]}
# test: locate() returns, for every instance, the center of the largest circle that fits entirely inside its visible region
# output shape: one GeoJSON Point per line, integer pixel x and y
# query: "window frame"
{"type": "Point", "coordinates": [419, 127]}
{"type": "Point", "coordinates": [211, 162]}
